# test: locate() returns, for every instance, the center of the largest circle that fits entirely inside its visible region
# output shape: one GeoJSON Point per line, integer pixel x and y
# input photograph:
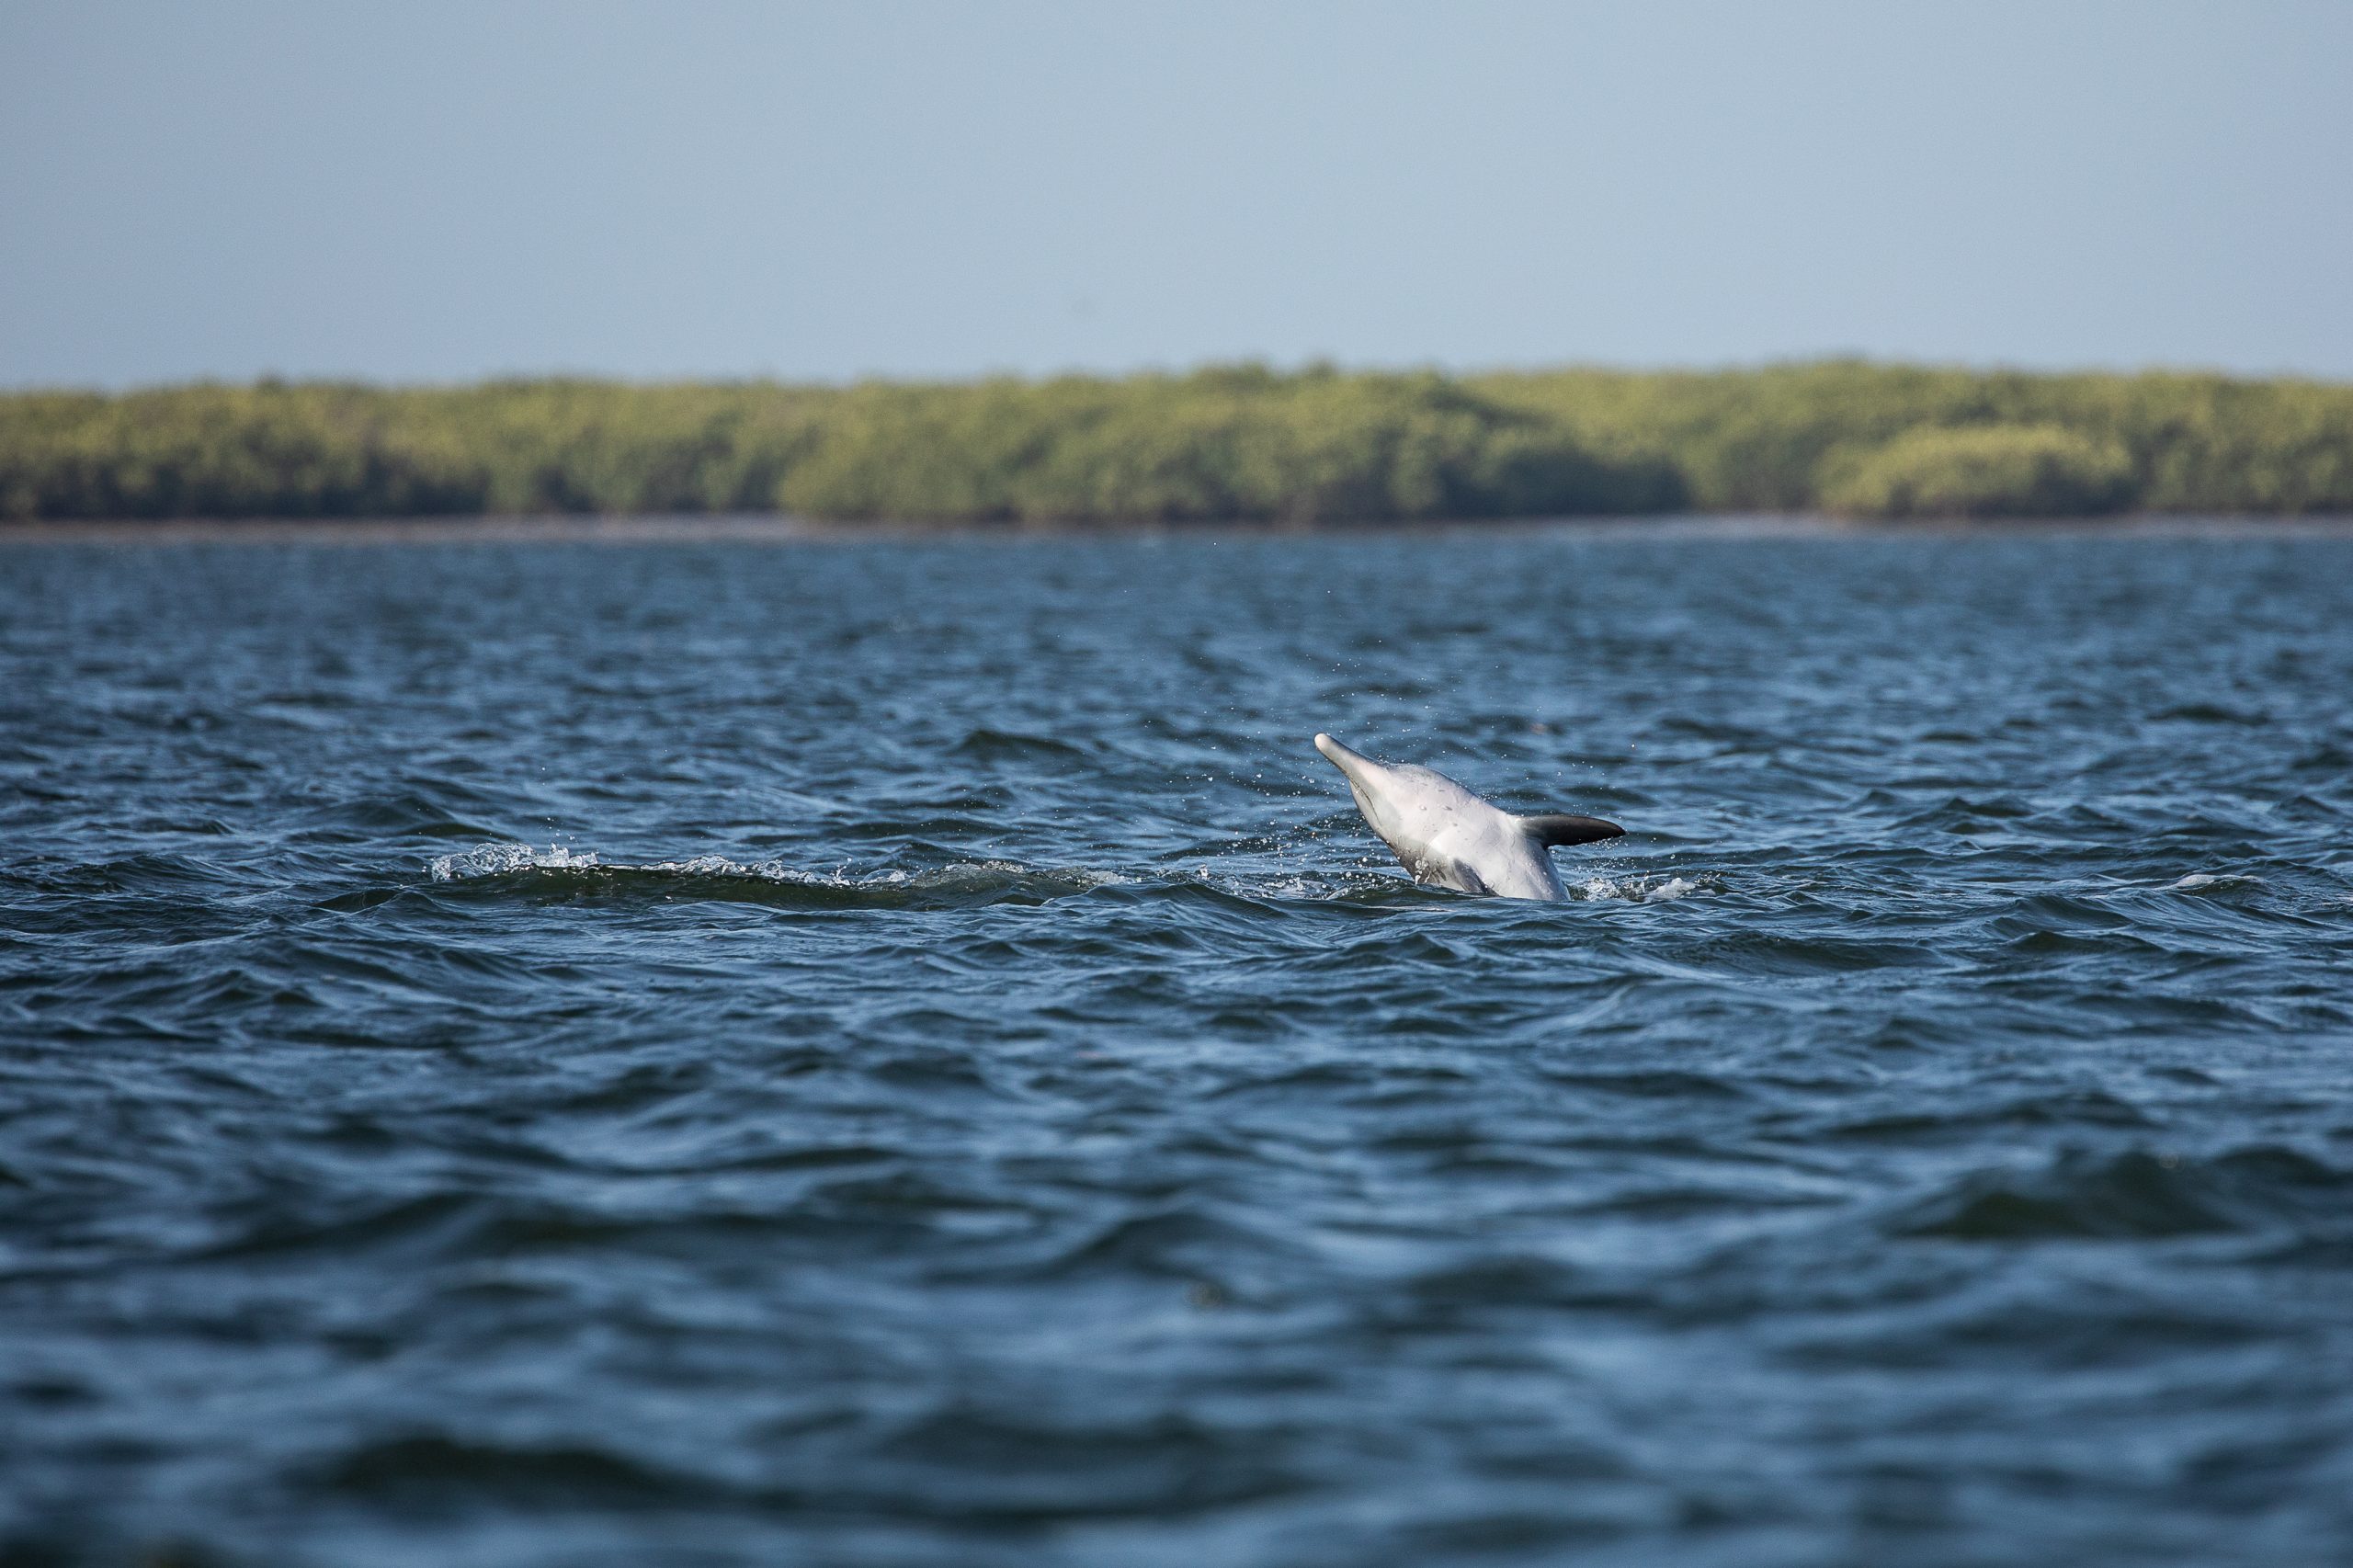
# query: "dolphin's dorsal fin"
{"type": "Point", "coordinates": [1553, 829]}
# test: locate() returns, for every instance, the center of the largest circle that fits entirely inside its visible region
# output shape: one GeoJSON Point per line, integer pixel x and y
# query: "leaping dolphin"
{"type": "Point", "coordinates": [1449, 837]}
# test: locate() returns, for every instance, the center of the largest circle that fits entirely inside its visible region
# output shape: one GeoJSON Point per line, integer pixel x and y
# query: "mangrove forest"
{"type": "Point", "coordinates": [1234, 444]}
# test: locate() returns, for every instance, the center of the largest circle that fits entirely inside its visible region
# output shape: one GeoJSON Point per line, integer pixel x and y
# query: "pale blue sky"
{"type": "Point", "coordinates": [434, 191]}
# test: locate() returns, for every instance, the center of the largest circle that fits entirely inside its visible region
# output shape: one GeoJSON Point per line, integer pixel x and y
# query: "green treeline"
{"type": "Point", "coordinates": [1237, 443]}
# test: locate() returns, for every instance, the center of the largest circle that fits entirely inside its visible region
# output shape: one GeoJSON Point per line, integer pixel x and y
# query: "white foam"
{"type": "Point", "coordinates": [1638, 890]}
{"type": "Point", "coordinates": [498, 859]}
{"type": "Point", "coordinates": [2197, 880]}
{"type": "Point", "coordinates": [503, 859]}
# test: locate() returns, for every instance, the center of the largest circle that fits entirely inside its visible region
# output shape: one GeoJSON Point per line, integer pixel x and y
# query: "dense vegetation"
{"type": "Point", "coordinates": [1230, 443]}
{"type": "Point", "coordinates": [1981, 471]}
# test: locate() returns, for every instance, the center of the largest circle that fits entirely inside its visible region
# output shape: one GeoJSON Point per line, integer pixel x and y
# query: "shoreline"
{"type": "Point", "coordinates": [1205, 448]}
{"type": "Point", "coordinates": [753, 527]}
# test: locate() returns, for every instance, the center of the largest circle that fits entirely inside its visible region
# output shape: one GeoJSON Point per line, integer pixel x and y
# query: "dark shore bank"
{"type": "Point", "coordinates": [1232, 444]}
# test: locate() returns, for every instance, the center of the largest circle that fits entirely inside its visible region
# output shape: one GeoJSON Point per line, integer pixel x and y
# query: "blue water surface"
{"type": "Point", "coordinates": [720, 1050]}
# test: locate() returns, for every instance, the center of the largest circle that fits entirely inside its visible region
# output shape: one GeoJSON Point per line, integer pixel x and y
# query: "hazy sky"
{"type": "Point", "coordinates": [432, 191]}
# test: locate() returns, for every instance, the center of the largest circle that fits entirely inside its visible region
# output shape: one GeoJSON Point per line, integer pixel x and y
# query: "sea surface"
{"type": "Point", "coordinates": [733, 1049]}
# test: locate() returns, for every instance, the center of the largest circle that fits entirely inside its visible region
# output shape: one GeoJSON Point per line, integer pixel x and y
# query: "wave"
{"type": "Point", "coordinates": [435, 1470]}
{"type": "Point", "coordinates": [560, 871]}
{"type": "Point", "coordinates": [1011, 745]}
{"type": "Point", "coordinates": [2138, 1194]}
{"type": "Point", "coordinates": [2201, 882]}
{"type": "Point", "coordinates": [556, 869]}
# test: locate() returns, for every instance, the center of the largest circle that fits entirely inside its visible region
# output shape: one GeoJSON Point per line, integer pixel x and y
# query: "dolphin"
{"type": "Point", "coordinates": [1449, 837]}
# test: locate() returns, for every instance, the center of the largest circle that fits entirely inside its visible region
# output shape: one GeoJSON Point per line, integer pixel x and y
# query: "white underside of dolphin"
{"type": "Point", "coordinates": [1449, 837]}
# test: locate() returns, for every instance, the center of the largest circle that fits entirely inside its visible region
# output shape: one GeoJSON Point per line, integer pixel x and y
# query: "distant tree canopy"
{"type": "Point", "coordinates": [1981, 471]}
{"type": "Point", "coordinates": [1238, 443]}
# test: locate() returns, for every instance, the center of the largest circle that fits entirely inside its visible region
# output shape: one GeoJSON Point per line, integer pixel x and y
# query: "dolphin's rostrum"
{"type": "Point", "coordinates": [1449, 837]}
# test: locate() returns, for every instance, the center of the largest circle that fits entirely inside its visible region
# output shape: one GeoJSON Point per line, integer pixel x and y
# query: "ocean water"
{"type": "Point", "coordinates": [733, 1051]}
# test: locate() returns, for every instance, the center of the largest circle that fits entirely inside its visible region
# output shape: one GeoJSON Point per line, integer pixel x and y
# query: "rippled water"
{"type": "Point", "coordinates": [898, 1052]}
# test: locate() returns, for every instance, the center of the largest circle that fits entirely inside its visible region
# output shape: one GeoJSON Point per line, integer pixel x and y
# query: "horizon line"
{"type": "Point", "coordinates": [1269, 365]}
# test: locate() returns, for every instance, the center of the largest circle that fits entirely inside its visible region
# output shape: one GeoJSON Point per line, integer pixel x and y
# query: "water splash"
{"type": "Point", "coordinates": [1640, 890]}
{"type": "Point", "coordinates": [499, 859]}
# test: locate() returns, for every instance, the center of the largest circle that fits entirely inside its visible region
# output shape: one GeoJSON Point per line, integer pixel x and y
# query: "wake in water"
{"type": "Point", "coordinates": [964, 883]}
{"type": "Point", "coordinates": [507, 859]}
{"type": "Point", "coordinates": [959, 884]}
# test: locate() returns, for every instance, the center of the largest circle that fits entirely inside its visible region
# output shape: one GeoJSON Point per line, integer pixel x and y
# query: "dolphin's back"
{"type": "Point", "coordinates": [1449, 837]}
